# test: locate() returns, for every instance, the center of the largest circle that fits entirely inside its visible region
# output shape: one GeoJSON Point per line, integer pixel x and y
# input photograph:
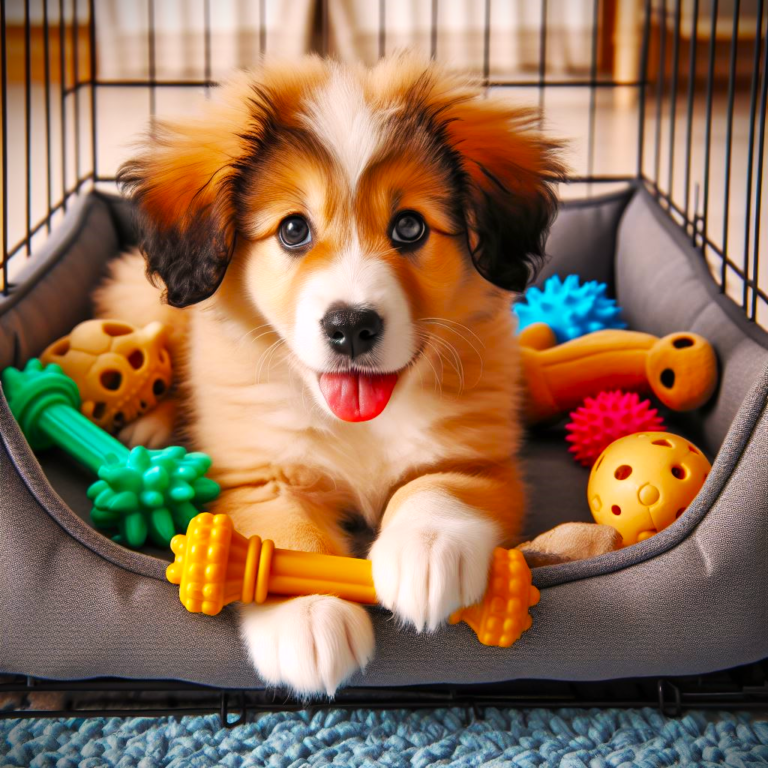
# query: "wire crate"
{"type": "Point", "coordinates": [668, 93]}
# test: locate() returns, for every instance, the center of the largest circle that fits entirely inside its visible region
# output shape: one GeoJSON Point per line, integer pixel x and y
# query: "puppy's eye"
{"type": "Point", "coordinates": [294, 232]}
{"type": "Point", "coordinates": [408, 228]}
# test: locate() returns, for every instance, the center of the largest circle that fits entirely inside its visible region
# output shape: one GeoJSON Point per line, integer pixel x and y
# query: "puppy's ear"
{"type": "Point", "coordinates": [181, 184]}
{"type": "Point", "coordinates": [510, 171]}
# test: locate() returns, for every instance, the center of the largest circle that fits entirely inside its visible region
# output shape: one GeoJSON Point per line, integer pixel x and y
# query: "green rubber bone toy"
{"type": "Point", "coordinates": [140, 493]}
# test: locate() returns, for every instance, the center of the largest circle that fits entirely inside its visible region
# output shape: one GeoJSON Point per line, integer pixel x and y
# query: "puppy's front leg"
{"type": "Point", "coordinates": [438, 533]}
{"type": "Point", "coordinates": [310, 644]}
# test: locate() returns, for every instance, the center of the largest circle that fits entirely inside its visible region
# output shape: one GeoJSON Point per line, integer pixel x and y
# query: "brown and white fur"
{"type": "Point", "coordinates": [435, 474]}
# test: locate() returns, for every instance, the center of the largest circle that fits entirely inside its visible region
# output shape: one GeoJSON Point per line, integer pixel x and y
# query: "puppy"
{"type": "Point", "coordinates": [336, 249]}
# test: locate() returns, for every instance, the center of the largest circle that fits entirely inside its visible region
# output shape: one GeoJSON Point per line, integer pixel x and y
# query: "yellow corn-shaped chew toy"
{"type": "Point", "coordinates": [215, 566]}
{"type": "Point", "coordinates": [503, 616]}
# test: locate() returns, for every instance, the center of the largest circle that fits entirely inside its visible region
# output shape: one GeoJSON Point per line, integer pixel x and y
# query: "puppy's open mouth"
{"type": "Point", "coordinates": [357, 396]}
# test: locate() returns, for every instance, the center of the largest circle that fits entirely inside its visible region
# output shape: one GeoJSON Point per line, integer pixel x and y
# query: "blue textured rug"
{"type": "Point", "coordinates": [570, 738]}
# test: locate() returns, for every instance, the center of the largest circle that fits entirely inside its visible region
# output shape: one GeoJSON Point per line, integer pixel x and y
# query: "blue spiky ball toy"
{"type": "Point", "coordinates": [569, 308]}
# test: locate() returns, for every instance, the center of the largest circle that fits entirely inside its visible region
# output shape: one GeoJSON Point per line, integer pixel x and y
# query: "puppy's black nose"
{"type": "Point", "coordinates": [352, 331]}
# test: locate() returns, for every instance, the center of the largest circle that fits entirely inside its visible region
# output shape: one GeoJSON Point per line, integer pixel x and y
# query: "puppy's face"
{"type": "Point", "coordinates": [352, 239]}
{"type": "Point", "coordinates": [358, 205]}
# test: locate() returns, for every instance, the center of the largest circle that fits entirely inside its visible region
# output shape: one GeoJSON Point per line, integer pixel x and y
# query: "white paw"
{"type": "Point", "coordinates": [152, 430]}
{"type": "Point", "coordinates": [310, 644]}
{"type": "Point", "coordinates": [433, 558]}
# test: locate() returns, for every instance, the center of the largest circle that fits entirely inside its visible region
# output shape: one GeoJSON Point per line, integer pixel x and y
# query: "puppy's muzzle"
{"type": "Point", "coordinates": [352, 331]}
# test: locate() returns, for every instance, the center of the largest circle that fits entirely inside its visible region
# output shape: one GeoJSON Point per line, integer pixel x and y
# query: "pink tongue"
{"type": "Point", "coordinates": [356, 396]}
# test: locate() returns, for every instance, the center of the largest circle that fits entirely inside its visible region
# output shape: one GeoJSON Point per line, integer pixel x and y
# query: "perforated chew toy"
{"type": "Point", "coordinates": [215, 566]}
{"type": "Point", "coordinates": [121, 371]}
{"type": "Point", "coordinates": [642, 483]}
{"type": "Point", "coordinates": [140, 492]}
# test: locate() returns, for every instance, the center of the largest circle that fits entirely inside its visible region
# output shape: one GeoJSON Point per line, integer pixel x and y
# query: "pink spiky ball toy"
{"type": "Point", "coordinates": [605, 418]}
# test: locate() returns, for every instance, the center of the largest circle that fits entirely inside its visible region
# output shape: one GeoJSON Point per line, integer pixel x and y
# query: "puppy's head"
{"type": "Point", "coordinates": [354, 204]}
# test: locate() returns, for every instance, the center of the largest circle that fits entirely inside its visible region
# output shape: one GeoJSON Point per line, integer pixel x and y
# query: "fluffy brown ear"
{"type": "Point", "coordinates": [510, 170]}
{"type": "Point", "coordinates": [180, 186]}
{"type": "Point", "coordinates": [189, 178]}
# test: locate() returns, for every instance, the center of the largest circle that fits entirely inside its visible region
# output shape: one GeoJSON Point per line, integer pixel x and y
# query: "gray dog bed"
{"type": "Point", "coordinates": [693, 599]}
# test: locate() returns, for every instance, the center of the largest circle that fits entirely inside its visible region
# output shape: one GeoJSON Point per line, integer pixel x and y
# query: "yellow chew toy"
{"type": "Point", "coordinates": [642, 483]}
{"type": "Point", "coordinates": [680, 369]}
{"type": "Point", "coordinates": [215, 566]}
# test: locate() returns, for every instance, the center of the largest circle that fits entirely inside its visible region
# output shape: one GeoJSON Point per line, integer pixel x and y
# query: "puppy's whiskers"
{"type": "Point", "coordinates": [264, 356]}
{"type": "Point", "coordinates": [425, 337]}
{"type": "Point", "coordinates": [455, 362]}
{"type": "Point", "coordinates": [254, 330]}
{"type": "Point", "coordinates": [443, 323]}
{"type": "Point", "coordinates": [282, 349]}
{"type": "Point", "coordinates": [438, 344]}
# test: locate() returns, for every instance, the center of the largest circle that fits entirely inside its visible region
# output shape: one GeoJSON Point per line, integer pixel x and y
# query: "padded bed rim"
{"type": "Point", "coordinates": [742, 430]}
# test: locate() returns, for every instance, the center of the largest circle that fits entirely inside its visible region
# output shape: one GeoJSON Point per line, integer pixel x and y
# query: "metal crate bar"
{"type": "Point", "coordinates": [93, 82]}
{"type": "Point", "coordinates": [740, 688]}
{"type": "Point", "coordinates": [4, 214]}
{"type": "Point", "coordinates": [751, 153]}
{"type": "Point", "coordinates": [673, 93]}
{"type": "Point", "coordinates": [262, 27]}
{"type": "Point", "coordinates": [669, 205]}
{"type": "Point", "coordinates": [382, 29]}
{"type": "Point", "coordinates": [63, 100]}
{"type": "Point", "coordinates": [47, 56]}
{"type": "Point", "coordinates": [660, 91]}
{"type": "Point", "coordinates": [487, 43]}
{"type": "Point", "coordinates": [542, 57]}
{"type": "Point", "coordinates": [729, 137]}
{"type": "Point", "coordinates": [76, 80]}
{"type": "Point", "coordinates": [592, 126]}
{"type": "Point", "coordinates": [643, 76]}
{"type": "Point", "coordinates": [27, 126]}
{"type": "Point", "coordinates": [691, 93]}
{"type": "Point", "coordinates": [759, 186]}
{"type": "Point", "coordinates": [207, 62]}
{"type": "Point", "coordinates": [152, 61]}
{"type": "Point", "coordinates": [433, 32]}
{"type": "Point", "coordinates": [708, 123]}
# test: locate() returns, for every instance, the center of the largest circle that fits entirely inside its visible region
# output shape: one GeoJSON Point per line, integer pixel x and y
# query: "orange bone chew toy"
{"type": "Point", "coordinates": [215, 566]}
{"type": "Point", "coordinates": [679, 369]}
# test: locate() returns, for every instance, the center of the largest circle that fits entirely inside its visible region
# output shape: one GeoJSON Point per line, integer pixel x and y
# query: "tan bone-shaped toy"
{"type": "Point", "coordinates": [679, 369]}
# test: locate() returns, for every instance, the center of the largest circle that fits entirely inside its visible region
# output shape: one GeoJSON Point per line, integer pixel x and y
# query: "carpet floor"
{"type": "Point", "coordinates": [571, 738]}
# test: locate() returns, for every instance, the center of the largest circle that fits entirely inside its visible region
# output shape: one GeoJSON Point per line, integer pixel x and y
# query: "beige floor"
{"type": "Point", "coordinates": [122, 115]}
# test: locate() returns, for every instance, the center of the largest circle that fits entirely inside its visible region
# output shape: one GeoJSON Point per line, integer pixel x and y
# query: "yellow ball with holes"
{"type": "Point", "coordinates": [642, 483]}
